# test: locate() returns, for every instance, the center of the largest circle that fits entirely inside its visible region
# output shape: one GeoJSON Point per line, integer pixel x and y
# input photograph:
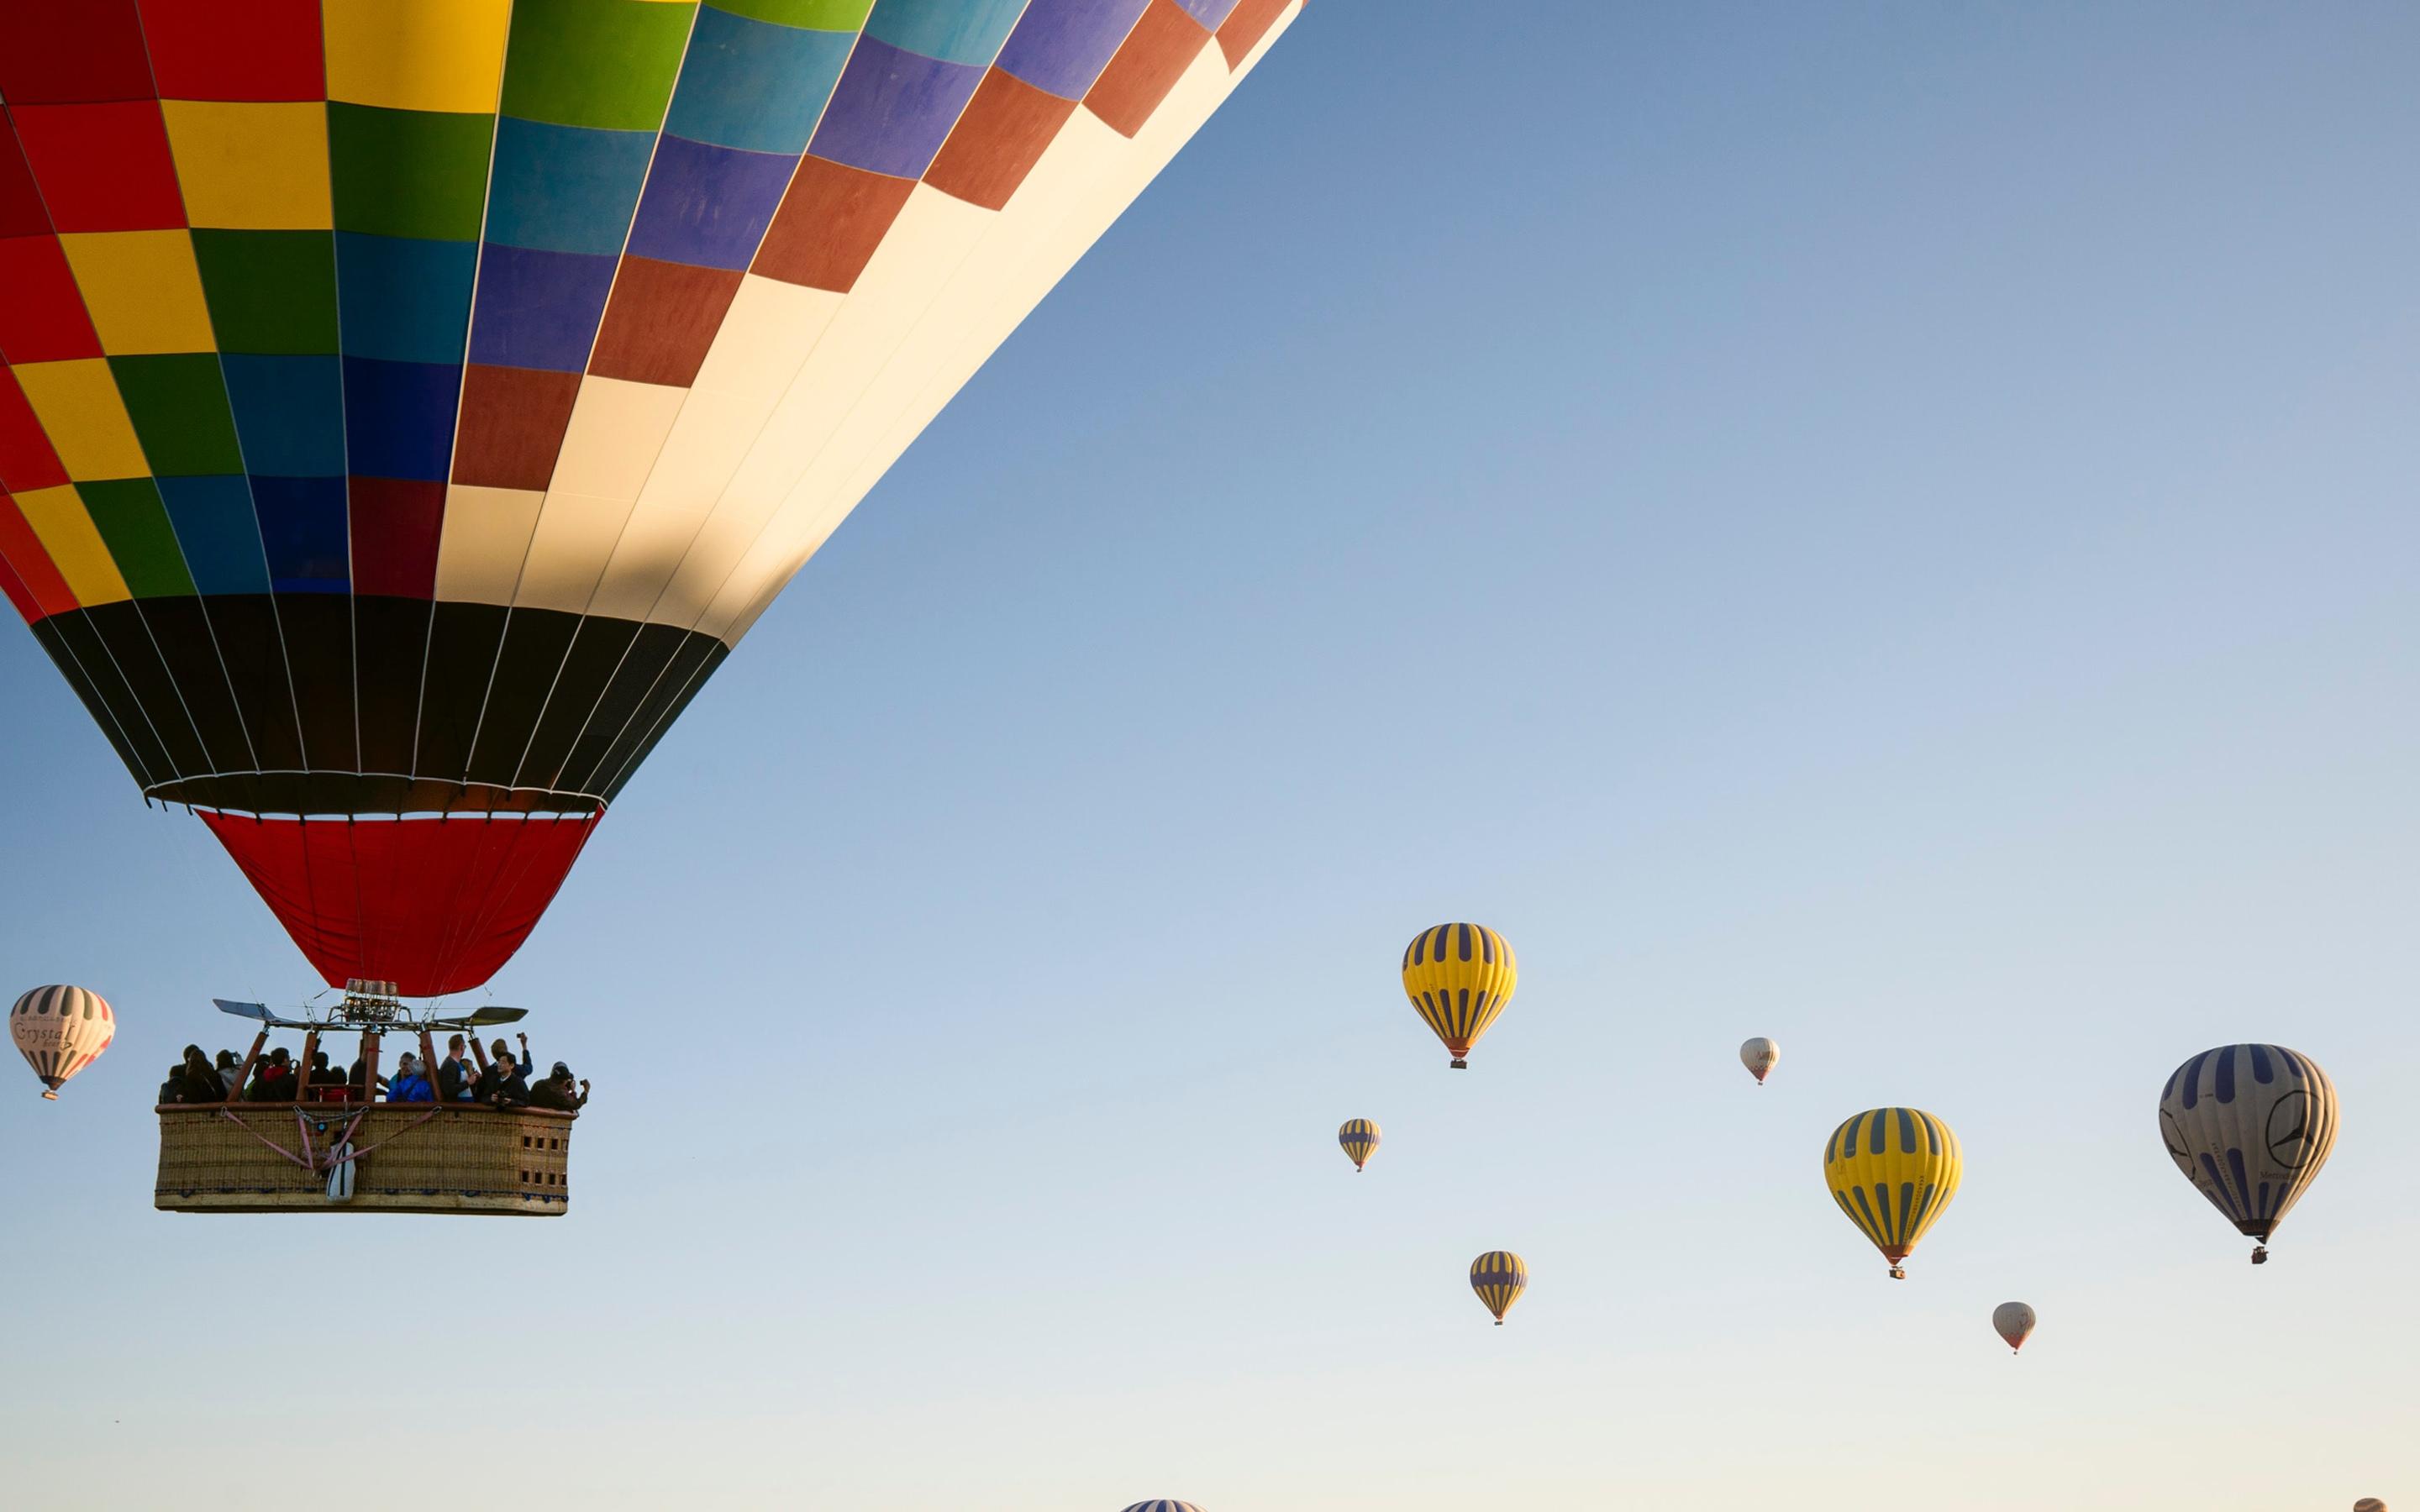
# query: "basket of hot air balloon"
{"type": "Point", "coordinates": [355, 1155]}
{"type": "Point", "coordinates": [382, 1157]}
{"type": "Point", "coordinates": [407, 409]}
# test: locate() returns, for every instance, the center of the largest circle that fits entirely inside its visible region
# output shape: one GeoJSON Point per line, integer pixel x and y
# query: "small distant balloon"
{"type": "Point", "coordinates": [1892, 1171]}
{"type": "Point", "coordinates": [2369, 1504]}
{"type": "Point", "coordinates": [2014, 1322]}
{"type": "Point", "coordinates": [1758, 1055]}
{"type": "Point", "coordinates": [61, 1030]}
{"type": "Point", "coordinates": [1499, 1276]}
{"type": "Point", "coordinates": [1360, 1137]}
{"type": "Point", "coordinates": [2250, 1125]}
{"type": "Point", "coordinates": [1163, 1505]}
{"type": "Point", "coordinates": [1460, 976]}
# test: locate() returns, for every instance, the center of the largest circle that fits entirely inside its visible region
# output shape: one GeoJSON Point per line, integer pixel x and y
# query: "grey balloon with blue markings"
{"type": "Point", "coordinates": [2250, 1125]}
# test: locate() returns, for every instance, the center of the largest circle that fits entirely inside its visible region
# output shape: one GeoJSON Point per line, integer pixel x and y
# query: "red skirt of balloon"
{"type": "Point", "coordinates": [432, 905]}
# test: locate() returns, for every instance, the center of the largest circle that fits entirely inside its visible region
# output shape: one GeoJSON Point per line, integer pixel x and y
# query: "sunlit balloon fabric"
{"type": "Point", "coordinates": [1460, 976]}
{"type": "Point", "coordinates": [409, 403]}
{"type": "Point", "coordinates": [2250, 1125]}
{"type": "Point", "coordinates": [1892, 1171]}
{"type": "Point", "coordinates": [2014, 1322]}
{"type": "Point", "coordinates": [1759, 1055]}
{"type": "Point", "coordinates": [1499, 1276]}
{"type": "Point", "coordinates": [60, 1030]}
{"type": "Point", "coordinates": [1360, 1137]}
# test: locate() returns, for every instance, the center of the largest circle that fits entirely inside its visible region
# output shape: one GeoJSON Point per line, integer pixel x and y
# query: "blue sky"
{"type": "Point", "coordinates": [1888, 529]}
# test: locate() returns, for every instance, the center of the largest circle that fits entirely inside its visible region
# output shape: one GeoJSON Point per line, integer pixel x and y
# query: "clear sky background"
{"type": "Point", "coordinates": [1891, 526]}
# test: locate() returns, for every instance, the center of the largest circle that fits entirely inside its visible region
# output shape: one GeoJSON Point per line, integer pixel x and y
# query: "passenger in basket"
{"type": "Point", "coordinates": [200, 1079]}
{"type": "Point", "coordinates": [353, 1089]}
{"type": "Point", "coordinates": [323, 1075]}
{"type": "Point", "coordinates": [410, 1086]}
{"type": "Point", "coordinates": [172, 1089]}
{"type": "Point", "coordinates": [230, 1070]}
{"type": "Point", "coordinates": [555, 1091]}
{"type": "Point", "coordinates": [506, 1078]}
{"type": "Point", "coordinates": [273, 1082]}
{"type": "Point", "coordinates": [454, 1074]}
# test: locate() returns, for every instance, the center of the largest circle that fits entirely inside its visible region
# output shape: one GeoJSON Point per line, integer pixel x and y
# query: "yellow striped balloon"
{"type": "Point", "coordinates": [1892, 1170]}
{"type": "Point", "coordinates": [1499, 1276]}
{"type": "Point", "coordinates": [1360, 1137]}
{"type": "Point", "coordinates": [1460, 976]}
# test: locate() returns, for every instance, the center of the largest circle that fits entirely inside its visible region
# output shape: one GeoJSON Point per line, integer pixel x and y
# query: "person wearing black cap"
{"type": "Point", "coordinates": [555, 1091]}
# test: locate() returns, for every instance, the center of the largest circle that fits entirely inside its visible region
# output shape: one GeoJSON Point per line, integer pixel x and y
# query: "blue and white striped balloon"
{"type": "Point", "coordinates": [2250, 1125]}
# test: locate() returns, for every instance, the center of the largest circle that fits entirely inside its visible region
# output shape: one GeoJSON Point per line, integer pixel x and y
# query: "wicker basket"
{"type": "Point", "coordinates": [413, 1157]}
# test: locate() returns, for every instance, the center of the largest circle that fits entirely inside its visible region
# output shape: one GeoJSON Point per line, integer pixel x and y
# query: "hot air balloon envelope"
{"type": "Point", "coordinates": [1759, 1055]}
{"type": "Point", "coordinates": [2014, 1322]}
{"type": "Point", "coordinates": [61, 1030]}
{"type": "Point", "coordinates": [1459, 977]}
{"type": "Point", "coordinates": [408, 406]}
{"type": "Point", "coordinates": [1499, 1276]}
{"type": "Point", "coordinates": [1360, 1137]}
{"type": "Point", "coordinates": [2250, 1125]}
{"type": "Point", "coordinates": [1892, 1171]}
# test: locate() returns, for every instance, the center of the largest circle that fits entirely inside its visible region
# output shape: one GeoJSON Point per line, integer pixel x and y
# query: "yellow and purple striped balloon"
{"type": "Point", "coordinates": [1360, 1137]}
{"type": "Point", "coordinates": [1499, 1276]}
{"type": "Point", "coordinates": [1459, 977]}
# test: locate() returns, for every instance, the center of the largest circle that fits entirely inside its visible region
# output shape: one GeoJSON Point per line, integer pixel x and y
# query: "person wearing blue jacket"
{"type": "Point", "coordinates": [409, 1085]}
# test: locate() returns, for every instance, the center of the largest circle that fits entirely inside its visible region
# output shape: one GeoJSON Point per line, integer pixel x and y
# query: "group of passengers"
{"type": "Point", "coordinates": [503, 1082]}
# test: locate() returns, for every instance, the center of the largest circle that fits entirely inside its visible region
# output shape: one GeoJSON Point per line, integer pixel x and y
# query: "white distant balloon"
{"type": "Point", "coordinates": [1757, 1056]}
{"type": "Point", "coordinates": [2014, 1322]}
{"type": "Point", "coordinates": [60, 1030]}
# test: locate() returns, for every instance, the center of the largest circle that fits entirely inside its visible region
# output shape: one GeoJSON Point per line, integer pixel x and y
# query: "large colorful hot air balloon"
{"type": "Point", "coordinates": [61, 1030]}
{"type": "Point", "coordinates": [409, 404]}
{"type": "Point", "coordinates": [1499, 1276]}
{"type": "Point", "coordinates": [1759, 1055]}
{"type": "Point", "coordinates": [1360, 1137]}
{"type": "Point", "coordinates": [1893, 1170]}
{"type": "Point", "coordinates": [2250, 1125]}
{"type": "Point", "coordinates": [1460, 976]}
{"type": "Point", "coordinates": [2014, 1322]}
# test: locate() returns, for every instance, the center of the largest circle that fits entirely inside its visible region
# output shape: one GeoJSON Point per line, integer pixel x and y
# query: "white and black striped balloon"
{"type": "Point", "coordinates": [61, 1030]}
